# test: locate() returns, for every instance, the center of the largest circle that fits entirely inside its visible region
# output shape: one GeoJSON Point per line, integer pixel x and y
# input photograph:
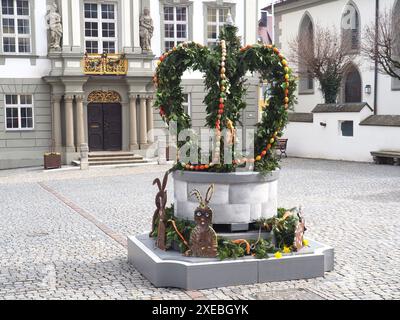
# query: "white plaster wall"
{"type": "Point", "coordinates": [21, 67]}
{"type": "Point", "coordinates": [311, 140]}
{"type": "Point", "coordinates": [329, 15]}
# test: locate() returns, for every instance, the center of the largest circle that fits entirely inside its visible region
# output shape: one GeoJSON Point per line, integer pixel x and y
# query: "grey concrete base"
{"type": "Point", "coordinates": [239, 198]}
{"type": "Point", "coordinates": [171, 269]}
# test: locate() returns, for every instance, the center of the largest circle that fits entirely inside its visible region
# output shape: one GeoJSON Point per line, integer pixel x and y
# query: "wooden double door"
{"type": "Point", "coordinates": [105, 126]}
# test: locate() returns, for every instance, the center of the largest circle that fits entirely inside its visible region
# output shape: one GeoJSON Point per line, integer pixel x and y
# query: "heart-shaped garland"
{"type": "Point", "coordinates": [266, 59]}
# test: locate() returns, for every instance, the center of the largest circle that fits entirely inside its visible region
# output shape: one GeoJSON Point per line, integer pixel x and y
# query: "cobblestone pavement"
{"type": "Point", "coordinates": [50, 249]}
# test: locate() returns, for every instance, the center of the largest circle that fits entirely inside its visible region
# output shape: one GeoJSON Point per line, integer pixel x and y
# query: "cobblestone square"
{"type": "Point", "coordinates": [63, 233]}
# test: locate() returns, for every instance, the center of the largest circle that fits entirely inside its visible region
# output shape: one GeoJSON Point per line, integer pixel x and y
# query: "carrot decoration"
{"type": "Point", "coordinates": [179, 234]}
{"type": "Point", "coordinates": [240, 241]}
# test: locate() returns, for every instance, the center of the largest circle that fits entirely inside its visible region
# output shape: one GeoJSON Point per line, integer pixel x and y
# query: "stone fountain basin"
{"type": "Point", "coordinates": [239, 198]}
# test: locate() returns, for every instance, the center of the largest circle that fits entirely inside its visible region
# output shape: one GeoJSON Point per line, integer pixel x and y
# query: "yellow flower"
{"type": "Point", "coordinates": [278, 255]}
{"type": "Point", "coordinates": [306, 243]}
{"type": "Point", "coordinates": [286, 250]}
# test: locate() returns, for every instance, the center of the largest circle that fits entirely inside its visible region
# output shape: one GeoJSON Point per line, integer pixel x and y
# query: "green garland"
{"type": "Point", "coordinates": [225, 84]}
{"type": "Point", "coordinates": [283, 228]}
{"type": "Point", "coordinates": [283, 232]}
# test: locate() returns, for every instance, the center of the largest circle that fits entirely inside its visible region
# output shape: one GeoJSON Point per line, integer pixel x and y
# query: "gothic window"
{"type": "Point", "coordinates": [396, 37]}
{"type": "Point", "coordinates": [16, 26]}
{"type": "Point", "coordinates": [352, 86]}
{"type": "Point", "coordinates": [19, 112]}
{"type": "Point", "coordinates": [100, 28]}
{"type": "Point", "coordinates": [351, 27]}
{"type": "Point", "coordinates": [175, 25]}
{"type": "Point", "coordinates": [306, 36]}
{"type": "Point", "coordinates": [396, 23]}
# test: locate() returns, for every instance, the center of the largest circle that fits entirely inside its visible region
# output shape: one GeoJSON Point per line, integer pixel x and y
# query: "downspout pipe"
{"type": "Point", "coordinates": [376, 57]}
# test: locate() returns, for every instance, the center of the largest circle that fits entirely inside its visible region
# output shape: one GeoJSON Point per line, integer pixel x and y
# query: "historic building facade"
{"type": "Point", "coordinates": [80, 71]}
{"type": "Point", "coordinates": [367, 114]}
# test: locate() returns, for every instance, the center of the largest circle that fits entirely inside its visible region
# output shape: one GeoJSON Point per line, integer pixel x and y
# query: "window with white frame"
{"type": "Point", "coordinates": [16, 26]}
{"type": "Point", "coordinates": [216, 18]}
{"type": "Point", "coordinates": [19, 112]}
{"type": "Point", "coordinates": [175, 26]}
{"type": "Point", "coordinates": [100, 27]}
{"type": "Point", "coordinates": [187, 107]}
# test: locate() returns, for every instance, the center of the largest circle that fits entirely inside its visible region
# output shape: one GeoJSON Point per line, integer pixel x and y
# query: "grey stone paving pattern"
{"type": "Point", "coordinates": [49, 251]}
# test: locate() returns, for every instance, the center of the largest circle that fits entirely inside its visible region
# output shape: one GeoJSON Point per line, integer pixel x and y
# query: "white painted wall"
{"type": "Point", "coordinates": [329, 14]}
{"type": "Point", "coordinates": [21, 67]}
{"type": "Point", "coordinates": [311, 140]}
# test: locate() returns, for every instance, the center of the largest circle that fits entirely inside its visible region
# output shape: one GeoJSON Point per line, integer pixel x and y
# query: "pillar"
{"type": "Point", "coordinates": [133, 144]}
{"type": "Point", "coordinates": [143, 122]}
{"type": "Point", "coordinates": [251, 24]}
{"type": "Point", "coordinates": [56, 121]}
{"type": "Point", "coordinates": [65, 22]}
{"type": "Point", "coordinates": [150, 119]}
{"type": "Point", "coordinates": [135, 22]}
{"type": "Point", "coordinates": [76, 25]}
{"type": "Point", "coordinates": [69, 123]}
{"type": "Point", "coordinates": [127, 23]}
{"type": "Point", "coordinates": [80, 128]}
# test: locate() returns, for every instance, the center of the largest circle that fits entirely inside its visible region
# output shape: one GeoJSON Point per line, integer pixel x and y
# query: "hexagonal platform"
{"type": "Point", "coordinates": [171, 269]}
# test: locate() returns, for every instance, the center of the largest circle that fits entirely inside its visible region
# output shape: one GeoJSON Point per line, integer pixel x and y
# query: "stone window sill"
{"type": "Point", "coordinates": [31, 57]}
{"type": "Point", "coordinates": [395, 84]}
{"type": "Point", "coordinates": [306, 92]}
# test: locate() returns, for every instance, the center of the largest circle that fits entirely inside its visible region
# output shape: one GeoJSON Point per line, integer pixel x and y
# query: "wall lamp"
{"type": "Point", "coordinates": [368, 89]}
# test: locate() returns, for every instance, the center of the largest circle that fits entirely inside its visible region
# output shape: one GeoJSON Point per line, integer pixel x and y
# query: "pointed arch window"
{"type": "Point", "coordinates": [396, 39]}
{"type": "Point", "coordinates": [306, 37]}
{"type": "Point", "coordinates": [351, 27]}
{"type": "Point", "coordinates": [352, 85]}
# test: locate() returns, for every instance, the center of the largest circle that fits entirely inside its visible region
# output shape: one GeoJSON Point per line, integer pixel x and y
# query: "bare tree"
{"type": "Point", "coordinates": [322, 56]}
{"type": "Point", "coordinates": [381, 42]}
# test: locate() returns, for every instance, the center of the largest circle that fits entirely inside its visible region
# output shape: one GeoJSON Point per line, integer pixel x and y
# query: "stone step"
{"type": "Point", "coordinates": [111, 154]}
{"type": "Point", "coordinates": [115, 158]}
{"type": "Point", "coordinates": [115, 162]}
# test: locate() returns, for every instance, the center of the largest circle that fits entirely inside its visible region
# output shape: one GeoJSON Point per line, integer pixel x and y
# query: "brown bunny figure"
{"type": "Point", "coordinates": [203, 239]}
{"type": "Point", "coordinates": [159, 213]}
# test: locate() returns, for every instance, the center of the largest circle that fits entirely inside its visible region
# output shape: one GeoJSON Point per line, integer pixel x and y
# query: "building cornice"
{"type": "Point", "coordinates": [294, 5]}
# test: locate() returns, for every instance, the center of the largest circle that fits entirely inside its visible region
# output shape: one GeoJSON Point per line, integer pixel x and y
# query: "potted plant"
{"type": "Point", "coordinates": [52, 160]}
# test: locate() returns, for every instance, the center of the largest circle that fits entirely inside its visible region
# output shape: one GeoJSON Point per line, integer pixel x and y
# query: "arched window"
{"type": "Point", "coordinates": [351, 27]}
{"type": "Point", "coordinates": [396, 27]}
{"type": "Point", "coordinates": [352, 85]}
{"type": "Point", "coordinates": [306, 37]}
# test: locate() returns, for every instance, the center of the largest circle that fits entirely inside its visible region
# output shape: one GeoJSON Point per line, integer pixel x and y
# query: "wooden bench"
{"type": "Point", "coordinates": [281, 147]}
{"type": "Point", "coordinates": [386, 157]}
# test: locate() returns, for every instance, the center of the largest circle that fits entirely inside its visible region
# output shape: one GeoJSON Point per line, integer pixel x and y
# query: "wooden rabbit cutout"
{"type": "Point", "coordinates": [159, 213]}
{"type": "Point", "coordinates": [203, 239]}
{"type": "Point", "coordinates": [300, 230]}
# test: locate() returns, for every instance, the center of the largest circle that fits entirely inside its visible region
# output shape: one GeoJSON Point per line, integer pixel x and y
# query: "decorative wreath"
{"type": "Point", "coordinates": [224, 67]}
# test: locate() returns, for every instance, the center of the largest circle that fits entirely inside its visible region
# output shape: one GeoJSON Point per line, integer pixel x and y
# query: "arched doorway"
{"type": "Point", "coordinates": [104, 121]}
{"type": "Point", "coordinates": [352, 86]}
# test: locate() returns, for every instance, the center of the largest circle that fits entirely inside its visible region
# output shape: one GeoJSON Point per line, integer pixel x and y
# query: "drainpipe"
{"type": "Point", "coordinates": [273, 21]}
{"type": "Point", "coordinates": [376, 58]}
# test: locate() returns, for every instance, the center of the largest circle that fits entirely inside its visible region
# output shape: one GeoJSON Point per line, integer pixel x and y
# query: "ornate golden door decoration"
{"type": "Point", "coordinates": [100, 96]}
{"type": "Point", "coordinates": [105, 64]}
